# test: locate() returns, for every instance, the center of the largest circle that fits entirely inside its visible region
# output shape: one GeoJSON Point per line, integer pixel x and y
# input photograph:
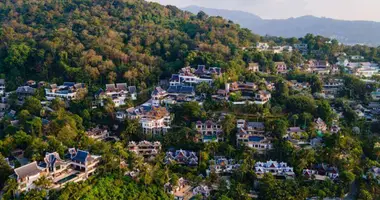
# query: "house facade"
{"type": "Point", "coordinates": [144, 148]}
{"type": "Point", "coordinates": [275, 168]}
{"type": "Point", "coordinates": [209, 131]}
{"type": "Point", "coordinates": [67, 91]}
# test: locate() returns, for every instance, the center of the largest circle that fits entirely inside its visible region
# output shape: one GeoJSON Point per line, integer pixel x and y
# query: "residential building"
{"type": "Point", "coordinates": [132, 92]}
{"type": "Point", "coordinates": [333, 86]}
{"type": "Point", "coordinates": [117, 92]}
{"type": "Point", "coordinates": [208, 73]}
{"type": "Point", "coordinates": [181, 190]}
{"type": "Point", "coordinates": [321, 67]}
{"type": "Point", "coordinates": [24, 91]}
{"type": "Point", "coordinates": [321, 172]}
{"type": "Point", "coordinates": [252, 134]}
{"type": "Point", "coordinates": [26, 176]}
{"type": "Point", "coordinates": [223, 165]}
{"type": "Point", "coordinates": [253, 67]}
{"type": "Point", "coordinates": [320, 125]}
{"type": "Point", "coordinates": [98, 133]}
{"type": "Point", "coordinates": [181, 92]}
{"type": "Point", "coordinates": [262, 96]}
{"type": "Point", "coordinates": [79, 166]}
{"type": "Point", "coordinates": [210, 131]}
{"type": "Point", "coordinates": [83, 161]}
{"type": "Point", "coordinates": [2, 87]}
{"type": "Point", "coordinates": [281, 67]}
{"type": "Point", "coordinates": [190, 76]}
{"type": "Point", "coordinates": [335, 128]}
{"type": "Point", "coordinates": [297, 136]}
{"type": "Point", "coordinates": [156, 121]}
{"type": "Point", "coordinates": [376, 95]}
{"type": "Point", "coordinates": [158, 95]}
{"type": "Point", "coordinates": [375, 173]}
{"type": "Point", "coordinates": [241, 86]}
{"type": "Point", "coordinates": [275, 168]}
{"type": "Point", "coordinates": [67, 91]}
{"type": "Point", "coordinates": [261, 46]}
{"type": "Point", "coordinates": [144, 148]}
{"type": "Point", "coordinates": [181, 157]}
{"type": "Point", "coordinates": [357, 57]}
{"type": "Point", "coordinates": [202, 190]}
{"type": "Point", "coordinates": [302, 48]}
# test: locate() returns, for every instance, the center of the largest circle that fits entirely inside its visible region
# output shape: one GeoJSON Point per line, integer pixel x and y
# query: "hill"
{"type": "Point", "coordinates": [99, 42]}
{"type": "Point", "coordinates": [348, 32]}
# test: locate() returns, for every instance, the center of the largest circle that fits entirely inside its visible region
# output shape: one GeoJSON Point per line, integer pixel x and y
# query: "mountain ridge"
{"type": "Point", "coordinates": [346, 31]}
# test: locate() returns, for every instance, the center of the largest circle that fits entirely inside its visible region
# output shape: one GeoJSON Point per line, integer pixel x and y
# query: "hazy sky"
{"type": "Point", "coordinates": [269, 9]}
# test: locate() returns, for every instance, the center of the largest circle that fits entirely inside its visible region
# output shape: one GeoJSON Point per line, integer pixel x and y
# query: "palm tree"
{"type": "Point", "coordinates": [43, 182]}
{"type": "Point", "coordinates": [294, 118]}
{"type": "Point", "coordinates": [10, 189]}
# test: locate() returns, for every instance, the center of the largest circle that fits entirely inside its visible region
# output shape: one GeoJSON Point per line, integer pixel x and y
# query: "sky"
{"type": "Point", "coordinates": [280, 9]}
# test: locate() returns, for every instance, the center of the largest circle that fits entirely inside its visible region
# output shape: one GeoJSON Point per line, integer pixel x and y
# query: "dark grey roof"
{"type": "Point", "coordinates": [175, 77]}
{"type": "Point", "coordinates": [25, 90]}
{"type": "Point", "coordinates": [132, 89]}
{"type": "Point", "coordinates": [2, 81]}
{"type": "Point", "coordinates": [81, 156]}
{"type": "Point", "coordinates": [181, 89]}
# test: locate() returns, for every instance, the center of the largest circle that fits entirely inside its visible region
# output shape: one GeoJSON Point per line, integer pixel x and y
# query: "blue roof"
{"type": "Point", "coordinates": [81, 156]}
{"type": "Point", "coordinates": [175, 77]}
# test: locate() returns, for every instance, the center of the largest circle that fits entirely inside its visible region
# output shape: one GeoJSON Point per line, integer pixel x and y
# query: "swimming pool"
{"type": "Point", "coordinates": [255, 138]}
{"type": "Point", "coordinates": [72, 176]}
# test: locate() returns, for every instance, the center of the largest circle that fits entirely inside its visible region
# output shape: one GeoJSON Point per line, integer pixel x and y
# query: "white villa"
{"type": "Point", "coordinates": [210, 131]}
{"type": "Point", "coordinates": [275, 168]}
{"type": "Point", "coordinates": [67, 91]}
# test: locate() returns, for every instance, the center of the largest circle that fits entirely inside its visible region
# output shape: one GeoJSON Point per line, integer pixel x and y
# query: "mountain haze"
{"type": "Point", "coordinates": [348, 32]}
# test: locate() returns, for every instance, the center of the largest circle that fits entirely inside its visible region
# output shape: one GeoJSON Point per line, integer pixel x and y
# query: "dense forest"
{"type": "Point", "coordinates": [105, 41]}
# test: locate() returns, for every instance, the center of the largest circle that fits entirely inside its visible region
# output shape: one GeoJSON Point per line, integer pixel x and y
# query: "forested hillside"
{"type": "Point", "coordinates": [103, 41]}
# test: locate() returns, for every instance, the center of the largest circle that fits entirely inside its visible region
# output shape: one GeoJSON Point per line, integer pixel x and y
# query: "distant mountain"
{"type": "Point", "coordinates": [348, 32]}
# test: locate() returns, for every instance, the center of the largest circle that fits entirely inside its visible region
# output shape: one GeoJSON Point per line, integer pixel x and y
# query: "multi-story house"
{"type": "Point", "coordinates": [24, 92]}
{"type": "Point", "coordinates": [253, 67]}
{"type": "Point", "coordinates": [262, 96]}
{"type": "Point", "coordinates": [182, 157]}
{"type": "Point", "coordinates": [181, 190]}
{"type": "Point", "coordinates": [321, 172]}
{"type": "Point", "coordinates": [146, 149]}
{"type": "Point", "coordinates": [158, 95]}
{"type": "Point", "coordinates": [181, 92]}
{"type": "Point", "coordinates": [156, 121]}
{"type": "Point", "coordinates": [332, 87]}
{"type": "Point", "coordinates": [26, 176]}
{"type": "Point", "coordinates": [242, 86]}
{"type": "Point", "coordinates": [210, 131]}
{"type": "Point", "coordinates": [275, 168]}
{"type": "Point", "coordinates": [117, 92]}
{"type": "Point", "coordinates": [320, 125]}
{"type": "Point", "coordinates": [67, 91]}
{"type": "Point", "coordinates": [357, 57]}
{"type": "Point", "coordinates": [376, 95]}
{"type": "Point", "coordinates": [2, 87]}
{"type": "Point", "coordinates": [252, 134]}
{"type": "Point", "coordinates": [302, 48]}
{"type": "Point", "coordinates": [78, 167]}
{"type": "Point", "coordinates": [261, 46]}
{"type": "Point", "coordinates": [223, 165]}
{"type": "Point", "coordinates": [98, 133]}
{"type": "Point", "coordinates": [190, 76]}
{"type": "Point", "coordinates": [84, 162]}
{"type": "Point", "coordinates": [202, 190]}
{"type": "Point", "coordinates": [281, 67]}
